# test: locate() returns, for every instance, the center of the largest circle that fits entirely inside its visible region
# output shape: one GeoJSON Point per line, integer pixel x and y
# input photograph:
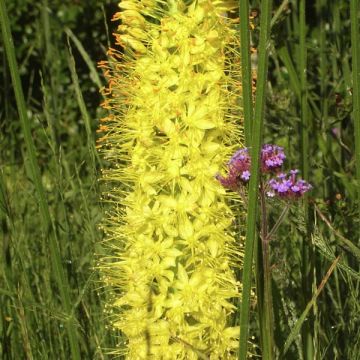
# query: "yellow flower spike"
{"type": "Point", "coordinates": [173, 95]}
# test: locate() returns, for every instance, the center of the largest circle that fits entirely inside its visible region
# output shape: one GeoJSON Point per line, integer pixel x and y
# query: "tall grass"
{"type": "Point", "coordinates": [255, 143]}
{"type": "Point", "coordinates": [355, 52]}
{"type": "Point", "coordinates": [246, 72]}
{"type": "Point", "coordinates": [307, 251]}
{"type": "Point", "coordinates": [48, 227]}
{"type": "Point", "coordinates": [49, 210]}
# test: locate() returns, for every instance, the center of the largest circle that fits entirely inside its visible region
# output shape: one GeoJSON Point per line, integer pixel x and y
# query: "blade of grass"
{"type": "Point", "coordinates": [85, 115]}
{"type": "Point", "coordinates": [324, 100]}
{"type": "Point", "coordinates": [93, 72]}
{"type": "Point", "coordinates": [307, 253]}
{"type": "Point", "coordinates": [295, 331]}
{"type": "Point", "coordinates": [256, 139]}
{"type": "Point", "coordinates": [278, 12]}
{"type": "Point", "coordinates": [355, 52]}
{"type": "Point", "coordinates": [347, 244]}
{"type": "Point", "coordinates": [284, 56]}
{"type": "Point", "coordinates": [36, 178]}
{"type": "Point", "coordinates": [303, 92]}
{"type": "Point", "coordinates": [246, 68]}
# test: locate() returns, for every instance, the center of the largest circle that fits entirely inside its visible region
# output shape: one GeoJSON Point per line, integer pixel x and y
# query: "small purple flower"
{"type": "Point", "coordinates": [245, 175]}
{"type": "Point", "coordinates": [272, 158]}
{"type": "Point", "coordinates": [238, 170]}
{"type": "Point", "coordinates": [287, 186]}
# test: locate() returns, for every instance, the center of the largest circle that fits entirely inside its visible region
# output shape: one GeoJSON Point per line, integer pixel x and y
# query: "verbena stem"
{"type": "Point", "coordinates": [267, 308]}
{"type": "Point", "coordinates": [278, 222]}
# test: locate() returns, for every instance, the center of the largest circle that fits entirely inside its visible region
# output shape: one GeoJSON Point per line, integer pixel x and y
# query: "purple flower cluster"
{"type": "Point", "coordinates": [239, 170]}
{"type": "Point", "coordinates": [288, 186]}
{"type": "Point", "coordinates": [272, 159]}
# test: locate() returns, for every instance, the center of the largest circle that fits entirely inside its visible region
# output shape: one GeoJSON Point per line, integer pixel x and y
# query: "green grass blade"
{"type": "Point", "coordinates": [355, 52]}
{"type": "Point", "coordinates": [246, 68]}
{"type": "Point", "coordinates": [85, 115]}
{"type": "Point", "coordinates": [300, 321]}
{"type": "Point", "coordinates": [347, 244]}
{"type": "Point", "coordinates": [284, 56]}
{"type": "Point", "coordinates": [278, 12]}
{"type": "Point", "coordinates": [255, 144]}
{"type": "Point", "coordinates": [307, 251]}
{"type": "Point", "coordinates": [303, 92]}
{"type": "Point", "coordinates": [36, 178]}
{"type": "Point", "coordinates": [94, 75]}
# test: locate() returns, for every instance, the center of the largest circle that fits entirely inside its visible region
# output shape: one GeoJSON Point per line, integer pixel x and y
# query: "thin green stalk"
{"type": "Point", "coordinates": [246, 68]}
{"type": "Point", "coordinates": [278, 12]}
{"type": "Point", "coordinates": [259, 278]}
{"type": "Point", "coordinates": [295, 330]}
{"type": "Point", "coordinates": [344, 242]}
{"type": "Point", "coordinates": [36, 178]}
{"type": "Point", "coordinates": [303, 92]}
{"type": "Point", "coordinates": [94, 74]}
{"type": "Point", "coordinates": [255, 144]}
{"type": "Point", "coordinates": [278, 222]}
{"type": "Point", "coordinates": [324, 100]}
{"type": "Point", "coordinates": [85, 115]}
{"type": "Point", "coordinates": [6, 261]}
{"type": "Point", "coordinates": [284, 56]}
{"type": "Point", "coordinates": [307, 271]}
{"type": "Point", "coordinates": [355, 52]}
{"type": "Point", "coordinates": [267, 310]}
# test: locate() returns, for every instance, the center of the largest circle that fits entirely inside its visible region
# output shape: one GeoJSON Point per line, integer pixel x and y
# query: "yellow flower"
{"type": "Point", "coordinates": [175, 119]}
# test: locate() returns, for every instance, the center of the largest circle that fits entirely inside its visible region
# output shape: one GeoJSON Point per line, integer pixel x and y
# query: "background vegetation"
{"type": "Point", "coordinates": [310, 113]}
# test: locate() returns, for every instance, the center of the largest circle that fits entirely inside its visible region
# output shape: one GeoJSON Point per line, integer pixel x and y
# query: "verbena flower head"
{"type": "Point", "coordinates": [239, 170]}
{"type": "Point", "coordinates": [288, 186]}
{"type": "Point", "coordinates": [272, 158]}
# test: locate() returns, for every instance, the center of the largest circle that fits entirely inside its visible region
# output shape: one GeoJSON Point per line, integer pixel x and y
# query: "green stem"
{"type": "Point", "coordinates": [302, 319]}
{"type": "Point", "coordinates": [268, 335]}
{"type": "Point", "coordinates": [36, 178]}
{"type": "Point", "coordinates": [278, 12]}
{"type": "Point", "coordinates": [246, 68]}
{"type": "Point", "coordinates": [278, 222]}
{"type": "Point", "coordinates": [256, 139]}
{"type": "Point", "coordinates": [307, 256]}
{"type": "Point", "coordinates": [324, 98]}
{"type": "Point", "coordinates": [303, 97]}
{"type": "Point", "coordinates": [355, 52]}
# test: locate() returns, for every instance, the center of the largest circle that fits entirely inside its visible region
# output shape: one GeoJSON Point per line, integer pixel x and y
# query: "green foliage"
{"type": "Point", "coordinates": [33, 321]}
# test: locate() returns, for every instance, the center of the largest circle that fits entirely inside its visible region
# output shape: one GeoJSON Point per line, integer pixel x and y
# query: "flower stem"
{"type": "Point", "coordinates": [267, 308]}
{"type": "Point", "coordinates": [278, 223]}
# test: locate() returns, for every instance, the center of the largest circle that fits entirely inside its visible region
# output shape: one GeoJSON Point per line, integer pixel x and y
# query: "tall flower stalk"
{"type": "Point", "coordinates": [286, 187]}
{"type": "Point", "coordinates": [173, 120]}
